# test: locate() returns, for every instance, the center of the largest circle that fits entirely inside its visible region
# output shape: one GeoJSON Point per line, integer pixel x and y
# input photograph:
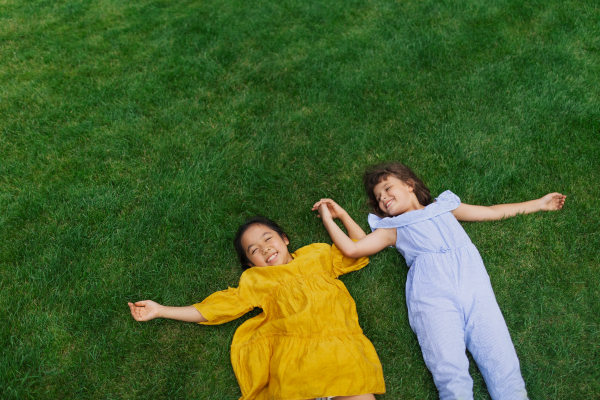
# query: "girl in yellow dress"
{"type": "Point", "coordinates": [307, 342]}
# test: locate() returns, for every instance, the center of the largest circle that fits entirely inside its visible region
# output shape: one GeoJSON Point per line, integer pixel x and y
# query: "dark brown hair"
{"type": "Point", "coordinates": [380, 172]}
{"type": "Point", "coordinates": [256, 220]}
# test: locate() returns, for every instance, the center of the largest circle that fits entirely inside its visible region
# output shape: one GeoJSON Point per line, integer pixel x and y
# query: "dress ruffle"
{"type": "Point", "coordinates": [307, 342]}
{"type": "Point", "coordinates": [447, 201]}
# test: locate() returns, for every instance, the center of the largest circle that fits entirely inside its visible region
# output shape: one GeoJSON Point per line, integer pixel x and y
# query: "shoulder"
{"type": "Point", "coordinates": [311, 248]}
{"type": "Point", "coordinates": [373, 221]}
{"type": "Point", "coordinates": [448, 199]}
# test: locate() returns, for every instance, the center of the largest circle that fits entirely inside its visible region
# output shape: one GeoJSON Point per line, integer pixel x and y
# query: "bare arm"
{"type": "Point", "coordinates": [354, 230]}
{"type": "Point", "coordinates": [147, 310]}
{"type": "Point", "coordinates": [467, 212]}
{"type": "Point", "coordinates": [365, 246]}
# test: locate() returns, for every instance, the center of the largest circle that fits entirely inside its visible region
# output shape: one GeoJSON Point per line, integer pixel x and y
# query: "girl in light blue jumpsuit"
{"type": "Point", "coordinates": [451, 304]}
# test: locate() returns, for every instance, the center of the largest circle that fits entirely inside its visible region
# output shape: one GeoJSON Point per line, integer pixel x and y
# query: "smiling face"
{"type": "Point", "coordinates": [264, 247]}
{"type": "Point", "coordinates": [396, 197]}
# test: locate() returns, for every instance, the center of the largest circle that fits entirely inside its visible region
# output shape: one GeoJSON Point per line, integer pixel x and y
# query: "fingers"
{"type": "Point", "coordinates": [323, 201]}
{"type": "Point", "coordinates": [559, 200]}
{"type": "Point", "coordinates": [317, 204]}
{"type": "Point", "coordinates": [323, 208]}
{"type": "Point", "coordinates": [554, 201]}
{"type": "Point", "coordinates": [136, 310]}
{"type": "Point", "coordinates": [135, 313]}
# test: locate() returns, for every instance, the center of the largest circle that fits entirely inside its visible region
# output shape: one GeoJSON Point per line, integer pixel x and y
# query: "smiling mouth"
{"type": "Point", "coordinates": [387, 205]}
{"type": "Point", "coordinates": [272, 258]}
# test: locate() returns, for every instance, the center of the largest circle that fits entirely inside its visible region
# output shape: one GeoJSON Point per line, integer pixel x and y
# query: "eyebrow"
{"type": "Point", "coordinates": [384, 186]}
{"type": "Point", "coordinates": [266, 233]}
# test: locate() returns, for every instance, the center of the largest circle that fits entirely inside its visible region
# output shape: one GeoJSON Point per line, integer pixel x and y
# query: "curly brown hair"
{"type": "Point", "coordinates": [380, 172]}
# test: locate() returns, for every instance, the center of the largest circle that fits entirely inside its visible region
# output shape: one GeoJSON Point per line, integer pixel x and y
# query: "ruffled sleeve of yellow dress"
{"type": "Point", "coordinates": [343, 265]}
{"type": "Point", "coordinates": [307, 342]}
{"type": "Point", "coordinates": [224, 306]}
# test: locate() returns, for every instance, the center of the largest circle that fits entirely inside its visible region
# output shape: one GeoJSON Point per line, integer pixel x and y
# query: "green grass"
{"type": "Point", "coordinates": [136, 136]}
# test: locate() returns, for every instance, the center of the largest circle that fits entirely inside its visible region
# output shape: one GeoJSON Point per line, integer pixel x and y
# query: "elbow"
{"type": "Point", "coordinates": [351, 253]}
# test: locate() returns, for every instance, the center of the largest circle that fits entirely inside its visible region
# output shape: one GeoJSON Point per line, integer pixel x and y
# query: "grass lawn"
{"type": "Point", "coordinates": [135, 136]}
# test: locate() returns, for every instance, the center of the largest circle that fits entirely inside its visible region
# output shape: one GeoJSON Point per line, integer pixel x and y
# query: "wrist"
{"type": "Point", "coordinates": [160, 311]}
{"type": "Point", "coordinates": [327, 219]}
{"type": "Point", "coordinates": [343, 216]}
{"type": "Point", "coordinates": [539, 204]}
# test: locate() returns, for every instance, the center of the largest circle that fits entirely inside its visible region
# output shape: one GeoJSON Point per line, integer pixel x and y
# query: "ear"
{"type": "Point", "coordinates": [250, 265]}
{"type": "Point", "coordinates": [411, 185]}
{"type": "Point", "coordinates": [285, 240]}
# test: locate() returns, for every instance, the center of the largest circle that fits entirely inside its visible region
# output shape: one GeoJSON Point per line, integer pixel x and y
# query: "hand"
{"type": "Point", "coordinates": [144, 310]}
{"type": "Point", "coordinates": [330, 207]}
{"type": "Point", "coordinates": [552, 202]}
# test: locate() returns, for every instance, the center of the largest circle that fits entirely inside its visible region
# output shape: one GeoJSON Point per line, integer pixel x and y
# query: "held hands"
{"type": "Point", "coordinates": [552, 202]}
{"type": "Point", "coordinates": [145, 310]}
{"type": "Point", "coordinates": [328, 209]}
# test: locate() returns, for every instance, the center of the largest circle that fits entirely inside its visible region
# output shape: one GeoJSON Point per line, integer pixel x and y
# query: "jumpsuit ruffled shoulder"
{"type": "Point", "coordinates": [447, 201]}
{"type": "Point", "coordinates": [451, 304]}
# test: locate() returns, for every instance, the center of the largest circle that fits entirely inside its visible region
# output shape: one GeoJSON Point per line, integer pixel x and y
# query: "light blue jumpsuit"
{"type": "Point", "coordinates": [451, 304]}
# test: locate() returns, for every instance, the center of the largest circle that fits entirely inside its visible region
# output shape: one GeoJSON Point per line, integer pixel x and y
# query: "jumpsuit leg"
{"type": "Point", "coordinates": [437, 320]}
{"type": "Point", "coordinates": [487, 336]}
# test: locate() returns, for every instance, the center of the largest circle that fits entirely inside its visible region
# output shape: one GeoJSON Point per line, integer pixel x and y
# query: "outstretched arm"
{"type": "Point", "coordinates": [147, 310]}
{"type": "Point", "coordinates": [365, 246]}
{"type": "Point", "coordinates": [467, 212]}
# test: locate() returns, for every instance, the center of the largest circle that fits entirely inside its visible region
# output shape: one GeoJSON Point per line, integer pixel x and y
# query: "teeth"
{"type": "Point", "coordinates": [272, 257]}
{"type": "Point", "coordinates": [388, 203]}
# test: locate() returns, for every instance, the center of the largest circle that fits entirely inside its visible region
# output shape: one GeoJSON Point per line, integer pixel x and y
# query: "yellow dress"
{"type": "Point", "coordinates": [307, 342]}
